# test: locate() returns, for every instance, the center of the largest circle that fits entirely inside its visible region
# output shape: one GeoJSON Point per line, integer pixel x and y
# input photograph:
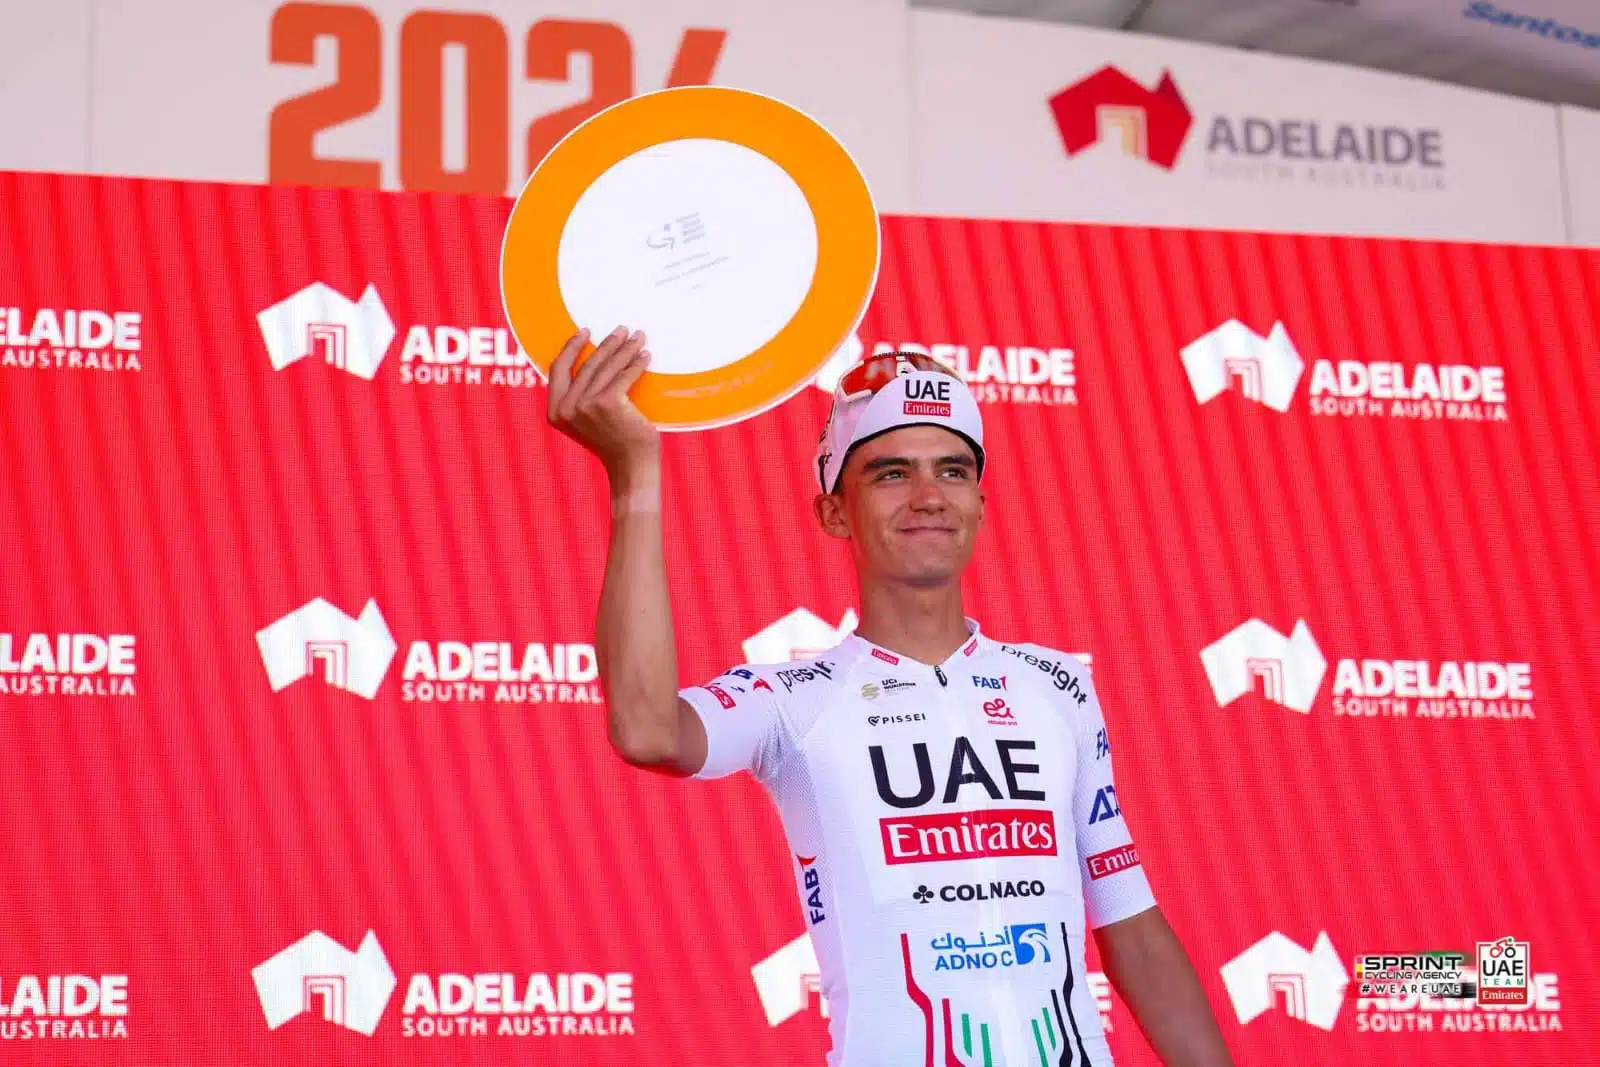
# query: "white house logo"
{"type": "Point", "coordinates": [1289, 671]}
{"type": "Point", "coordinates": [1233, 356]}
{"type": "Point", "coordinates": [318, 975]}
{"type": "Point", "coordinates": [318, 638]}
{"type": "Point", "coordinates": [789, 982]}
{"type": "Point", "coordinates": [355, 336]}
{"type": "Point", "coordinates": [63, 1007]}
{"type": "Point", "coordinates": [67, 665]}
{"type": "Point", "coordinates": [1277, 972]}
{"type": "Point", "coordinates": [71, 339]}
{"type": "Point", "coordinates": [996, 374]}
{"type": "Point", "coordinates": [798, 635]}
{"type": "Point", "coordinates": [319, 320]}
{"type": "Point", "coordinates": [1256, 657]}
{"type": "Point", "coordinates": [1268, 370]}
{"type": "Point", "coordinates": [355, 654]}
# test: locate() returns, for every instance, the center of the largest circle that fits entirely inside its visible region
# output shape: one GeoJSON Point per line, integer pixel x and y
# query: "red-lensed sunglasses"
{"type": "Point", "coordinates": [872, 374]}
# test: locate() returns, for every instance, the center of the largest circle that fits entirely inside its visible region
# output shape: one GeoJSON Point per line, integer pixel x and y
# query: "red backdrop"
{"type": "Point", "coordinates": [185, 823]}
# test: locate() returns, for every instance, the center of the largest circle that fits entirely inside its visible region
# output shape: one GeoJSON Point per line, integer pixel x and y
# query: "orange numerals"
{"type": "Point", "coordinates": [549, 51]}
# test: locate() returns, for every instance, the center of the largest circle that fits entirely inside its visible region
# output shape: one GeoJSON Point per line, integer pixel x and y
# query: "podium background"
{"type": "Point", "coordinates": [185, 834]}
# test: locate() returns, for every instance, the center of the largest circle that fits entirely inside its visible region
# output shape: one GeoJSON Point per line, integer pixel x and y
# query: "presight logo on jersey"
{"type": "Point", "coordinates": [1060, 674]}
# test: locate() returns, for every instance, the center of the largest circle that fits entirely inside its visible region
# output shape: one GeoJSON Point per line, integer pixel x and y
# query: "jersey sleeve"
{"type": "Point", "coordinates": [743, 718]}
{"type": "Point", "coordinates": [1114, 883]}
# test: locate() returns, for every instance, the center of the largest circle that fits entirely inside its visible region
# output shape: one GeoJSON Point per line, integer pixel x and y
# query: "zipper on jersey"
{"type": "Point", "coordinates": [940, 675]}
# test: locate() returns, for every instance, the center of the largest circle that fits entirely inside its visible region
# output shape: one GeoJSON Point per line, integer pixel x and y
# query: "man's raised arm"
{"type": "Point", "coordinates": [650, 725]}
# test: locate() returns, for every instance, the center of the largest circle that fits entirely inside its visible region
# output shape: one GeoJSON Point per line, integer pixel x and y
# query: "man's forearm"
{"type": "Point", "coordinates": [1147, 964]}
{"type": "Point", "coordinates": [634, 643]}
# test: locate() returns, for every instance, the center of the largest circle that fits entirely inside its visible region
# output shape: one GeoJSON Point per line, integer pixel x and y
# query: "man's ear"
{"type": "Point", "coordinates": [829, 509]}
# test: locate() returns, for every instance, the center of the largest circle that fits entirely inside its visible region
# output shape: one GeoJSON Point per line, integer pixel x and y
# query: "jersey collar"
{"type": "Point", "coordinates": [976, 644]}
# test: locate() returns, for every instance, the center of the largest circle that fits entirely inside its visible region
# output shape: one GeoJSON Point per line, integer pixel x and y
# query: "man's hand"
{"type": "Point", "coordinates": [592, 406]}
{"type": "Point", "coordinates": [1147, 964]}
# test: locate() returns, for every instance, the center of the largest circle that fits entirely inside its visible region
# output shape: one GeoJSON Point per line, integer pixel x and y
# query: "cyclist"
{"type": "Point", "coordinates": [948, 797]}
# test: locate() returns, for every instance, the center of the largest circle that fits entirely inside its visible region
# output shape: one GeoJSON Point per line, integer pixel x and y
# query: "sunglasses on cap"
{"type": "Point", "coordinates": [875, 372]}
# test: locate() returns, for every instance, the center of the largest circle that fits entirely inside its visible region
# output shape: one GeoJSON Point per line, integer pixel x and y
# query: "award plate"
{"type": "Point", "coordinates": [733, 229]}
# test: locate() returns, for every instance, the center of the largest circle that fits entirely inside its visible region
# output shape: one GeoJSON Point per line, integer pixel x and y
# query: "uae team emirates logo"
{"type": "Point", "coordinates": [940, 836]}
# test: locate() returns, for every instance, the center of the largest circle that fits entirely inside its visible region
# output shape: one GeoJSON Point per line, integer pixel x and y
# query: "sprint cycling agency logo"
{"type": "Point", "coordinates": [355, 336]}
{"type": "Point", "coordinates": [1289, 671]}
{"type": "Point", "coordinates": [789, 982]}
{"type": "Point", "coordinates": [50, 339]}
{"type": "Point", "coordinates": [63, 1007]}
{"type": "Point", "coordinates": [83, 665]}
{"type": "Point", "coordinates": [1493, 991]}
{"type": "Point", "coordinates": [318, 977]}
{"type": "Point", "coordinates": [996, 374]}
{"type": "Point", "coordinates": [319, 640]}
{"type": "Point", "coordinates": [1267, 370]}
{"type": "Point", "coordinates": [1156, 125]}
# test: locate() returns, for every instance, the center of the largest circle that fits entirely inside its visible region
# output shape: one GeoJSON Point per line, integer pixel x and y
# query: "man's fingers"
{"type": "Point", "coordinates": [616, 350]}
{"type": "Point", "coordinates": [561, 369]}
{"type": "Point", "coordinates": [630, 374]}
{"type": "Point", "coordinates": [606, 382]}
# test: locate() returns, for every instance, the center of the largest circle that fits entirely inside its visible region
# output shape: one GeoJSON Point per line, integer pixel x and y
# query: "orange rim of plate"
{"type": "Point", "coordinates": [840, 202]}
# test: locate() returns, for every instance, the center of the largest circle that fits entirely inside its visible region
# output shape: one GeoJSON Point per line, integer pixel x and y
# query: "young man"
{"type": "Point", "coordinates": [948, 797]}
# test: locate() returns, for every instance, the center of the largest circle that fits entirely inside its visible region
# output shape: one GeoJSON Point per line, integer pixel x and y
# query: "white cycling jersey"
{"type": "Point", "coordinates": [952, 826]}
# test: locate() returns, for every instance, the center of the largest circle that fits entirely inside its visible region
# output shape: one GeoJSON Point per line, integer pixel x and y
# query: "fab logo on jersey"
{"type": "Point", "coordinates": [955, 834]}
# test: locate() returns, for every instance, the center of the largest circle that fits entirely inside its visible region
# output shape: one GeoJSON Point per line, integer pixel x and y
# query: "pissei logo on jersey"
{"type": "Point", "coordinates": [954, 833]}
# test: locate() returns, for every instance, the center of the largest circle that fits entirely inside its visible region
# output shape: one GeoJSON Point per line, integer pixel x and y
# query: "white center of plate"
{"type": "Point", "coordinates": [707, 246]}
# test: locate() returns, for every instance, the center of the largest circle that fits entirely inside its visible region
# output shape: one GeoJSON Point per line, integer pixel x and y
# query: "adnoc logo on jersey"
{"type": "Point", "coordinates": [1016, 945]}
{"type": "Point", "coordinates": [1152, 124]}
{"type": "Point", "coordinates": [1268, 369]}
{"type": "Point", "coordinates": [355, 336]}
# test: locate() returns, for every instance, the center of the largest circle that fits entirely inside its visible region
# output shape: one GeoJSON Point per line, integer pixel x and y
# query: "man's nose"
{"type": "Point", "coordinates": [926, 492]}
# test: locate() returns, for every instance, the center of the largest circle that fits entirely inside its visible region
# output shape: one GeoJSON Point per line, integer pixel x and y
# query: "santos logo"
{"type": "Point", "coordinates": [1011, 374]}
{"type": "Point", "coordinates": [1268, 370]}
{"type": "Point", "coordinates": [1288, 670]}
{"type": "Point", "coordinates": [1309, 985]}
{"type": "Point", "coordinates": [317, 974]}
{"type": "Point", "coordinates": [355, 336]}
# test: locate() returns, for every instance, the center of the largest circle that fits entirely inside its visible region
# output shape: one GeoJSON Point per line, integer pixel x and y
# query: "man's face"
{"type": "Point", "coordinates": [909, 502]}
